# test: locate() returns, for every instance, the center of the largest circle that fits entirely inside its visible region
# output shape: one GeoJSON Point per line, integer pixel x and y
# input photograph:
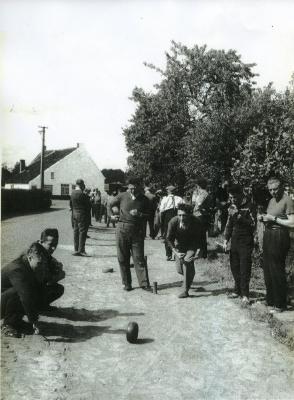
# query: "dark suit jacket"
{"type": "Point", "coordinates": [19, 276]}
{"type": "Point", "coordinates": [80, 204]}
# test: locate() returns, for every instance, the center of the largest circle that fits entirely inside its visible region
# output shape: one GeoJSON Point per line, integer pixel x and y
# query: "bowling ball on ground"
{"type": "Point", "coordinates": [132, 332]}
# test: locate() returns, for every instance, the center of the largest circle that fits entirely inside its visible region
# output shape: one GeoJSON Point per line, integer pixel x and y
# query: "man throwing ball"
{"type": "Point", "coordinates": [184, 239]}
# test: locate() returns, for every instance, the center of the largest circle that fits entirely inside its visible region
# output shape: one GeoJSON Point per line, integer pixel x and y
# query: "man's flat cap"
{"type": "Point", "coordinates": [171, 188]}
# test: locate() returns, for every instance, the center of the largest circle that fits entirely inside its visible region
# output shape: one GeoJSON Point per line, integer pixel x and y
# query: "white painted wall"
{"type": "Point", "coordinates": [77, 165]}
{"type": "Point", "coordinates": [17, 186]}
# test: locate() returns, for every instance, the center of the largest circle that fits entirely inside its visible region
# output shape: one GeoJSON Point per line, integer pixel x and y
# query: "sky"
{"type": "Point", "coordinates": [71, 65]}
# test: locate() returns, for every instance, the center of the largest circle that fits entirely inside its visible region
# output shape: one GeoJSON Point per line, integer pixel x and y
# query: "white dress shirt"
{"type": "Point", "coordinates": [170, 201]}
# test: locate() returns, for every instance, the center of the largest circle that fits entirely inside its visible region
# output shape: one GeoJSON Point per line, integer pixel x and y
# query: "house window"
{"type": "Point", "coordinates": [52, 175]}
{"type": "Point", "coordinates": [64, 189]}
{"type": "Point", "coordinates": [73, 187]}
{"type": "Point", "coordinates": [49, 188]}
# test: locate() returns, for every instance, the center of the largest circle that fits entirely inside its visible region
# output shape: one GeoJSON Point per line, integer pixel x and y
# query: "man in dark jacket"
{"type": "Point", "coordinates": [184, 239]}
{"type": "Point", "coordinates": [52, 290]}
{"type": "Point", "coordinates": [133, 211]}
{"type": "Point", "coordinates": [240, 229]}
{"type": "Point", "coordinates": [152, 208]}
{"type": "Point", "coordinates": [81, 209]}
{"type": "Point", "coordinates": [21, 286]}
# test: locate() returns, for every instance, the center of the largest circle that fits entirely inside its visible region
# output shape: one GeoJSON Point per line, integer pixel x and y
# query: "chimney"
{"type": "Point", "coordinates": [22, 166]}
{"type": "Point", "coordinates": [80, 145]}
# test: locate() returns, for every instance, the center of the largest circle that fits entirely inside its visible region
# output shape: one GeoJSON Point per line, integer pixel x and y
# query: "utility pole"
{"type": "Point", "coordinates": [42, 132]}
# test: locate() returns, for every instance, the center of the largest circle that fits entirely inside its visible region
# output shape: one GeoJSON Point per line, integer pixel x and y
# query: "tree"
{"type": "Point", "coordinates": [194, 122]}
{"type": "Point", "coordinates": [6, 174]}
{"type": "Point", "coordinates": [113, 175]}
{"type": "Point", "coordinates": [269, 148]}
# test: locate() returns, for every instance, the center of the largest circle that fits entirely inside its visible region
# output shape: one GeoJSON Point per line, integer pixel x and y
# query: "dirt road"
{"type": "Point", "coordinates": [203, 347]}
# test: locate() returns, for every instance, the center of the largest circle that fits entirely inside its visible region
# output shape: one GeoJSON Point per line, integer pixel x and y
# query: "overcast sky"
{"type": "Point", "coordinates": [72, 65]}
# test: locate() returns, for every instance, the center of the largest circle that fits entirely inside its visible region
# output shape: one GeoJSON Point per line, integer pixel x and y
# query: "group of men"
{"type": "Point", "coordinates": [30, 283]}
{"type": "Point", "coordinates": [240, 229]}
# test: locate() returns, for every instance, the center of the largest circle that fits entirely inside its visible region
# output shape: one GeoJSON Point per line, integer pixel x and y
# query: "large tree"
{"type": "Point", "coordinates": [269, 148]}
{"type": "Point", "coordinates": [191, 125]}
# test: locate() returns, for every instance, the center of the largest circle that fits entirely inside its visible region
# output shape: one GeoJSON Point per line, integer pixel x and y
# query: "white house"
{"type": "Point", "coordinates": [61, 170]}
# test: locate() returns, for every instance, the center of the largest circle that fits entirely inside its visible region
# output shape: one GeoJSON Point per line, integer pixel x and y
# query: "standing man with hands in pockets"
{"type": "Point", "coordinates": [278, 220]}
{"type": "Point", "coordinates": [133, 212]}
{"type": "Point", "coordinates": [240, 230]}
{"type": "Point", "coordinates": [81, 208]}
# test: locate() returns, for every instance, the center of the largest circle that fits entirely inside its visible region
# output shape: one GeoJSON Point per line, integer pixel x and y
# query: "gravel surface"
{"type": "Point", "coordinates": [202, 347]}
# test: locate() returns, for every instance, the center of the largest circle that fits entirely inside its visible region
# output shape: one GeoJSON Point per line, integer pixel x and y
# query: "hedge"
{"type": "Point", "coordinates": [20, 200]}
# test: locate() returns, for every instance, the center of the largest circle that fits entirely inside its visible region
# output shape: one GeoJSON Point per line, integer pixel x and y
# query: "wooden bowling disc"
{"type": "Point", "coordinates": [132, 332]}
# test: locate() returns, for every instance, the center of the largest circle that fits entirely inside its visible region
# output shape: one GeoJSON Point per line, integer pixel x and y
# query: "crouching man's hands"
{"type": "Point", "coordinates": [178, 254]}
{"type": "Point", "coordinates": [36, 328]}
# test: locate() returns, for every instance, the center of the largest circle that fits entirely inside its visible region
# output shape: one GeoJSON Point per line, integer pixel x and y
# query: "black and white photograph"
{"type": "Point", "coordinates": [147, 199]}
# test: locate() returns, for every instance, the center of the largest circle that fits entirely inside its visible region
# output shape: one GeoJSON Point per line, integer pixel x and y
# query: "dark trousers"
{"type": "Point", "coordinates": [109, 220]}
{"type": "Point", "coordinates": [130, 239]}
{"type": "Point", "coordinates": [203, 236]}
{"type": "Point", "coordinates": [166, 216]}
{"type": "Point", "coordinates": [240, 261]}
{"type": "Point", "coordinates": [185, 266]}
{"type": "Point", "coordinates": [96, 211]}
{"type": "Point", "coordinates": [12, 309]}
{"type": "Point", "coordinates": [223, 218]}
{"type": "Point", "coordinates": [80, 228]}
{"type": "Point", "coordinates": [276, 244]}
{"type": "Point", "coordinates": [150, 221]}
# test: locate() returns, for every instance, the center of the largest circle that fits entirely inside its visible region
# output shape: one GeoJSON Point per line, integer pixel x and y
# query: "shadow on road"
{"type": "Point", "coordinates": [144, 341]}
{"type": "Point", "coordinates": [23, 213]}
{"type": "Point", "coordinates": [108, 231]}
{"type": "Point", "coordinates": [74, 314]}
{"type": "Point", "coordinates": [169, 285]}
{"type": "Point", "coordinates": [208, 292]}
{"type": "Point", "coordinates": [67, 333]}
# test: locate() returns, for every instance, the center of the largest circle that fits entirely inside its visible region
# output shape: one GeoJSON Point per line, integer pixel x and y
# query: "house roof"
{"type": "Point", "coordinates": [51, 157]}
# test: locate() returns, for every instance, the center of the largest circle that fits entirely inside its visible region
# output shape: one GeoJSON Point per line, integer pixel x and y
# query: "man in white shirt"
{"type": "Point", "coordinates": [168, 210]}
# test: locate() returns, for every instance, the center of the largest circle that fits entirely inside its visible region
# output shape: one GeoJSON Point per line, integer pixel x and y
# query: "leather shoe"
{"type": "Point", "coordinates": [128, 288]}
{"type": "Point", "coordinates": [183, 295]}
{"type": "Point", "coordinates": [147, 288]}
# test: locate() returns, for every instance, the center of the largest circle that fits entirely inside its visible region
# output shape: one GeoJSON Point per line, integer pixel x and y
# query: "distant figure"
{"type": "Point", "coordinates": [152, 208]}
{"type": "Point", "coordinates": [200, 201]}
{"type": "Point", "coordinates": [103, 208]}
{"type": "Point", "coordinates": [168, 209]}
{"type": "Point", "coordinates": [21, 290]}
{"type": "Point", "coordinates": [276, 243]}
{"type": "Point", "coordinates": [239, 229]}
{"type": "Point", "coordinates": [97, 204]}
{"type": "Point", "coordinates": [157, 220]}
{"type": "Point", "coordinates": [133, 209]}
{"type": "Point", "coordinates": [110, 215]}
{"type": "Point", "coordinates": [81, 207]}
{"type": "Point", "coordinates": [222, 202]}
{"type": "Point", "coordinates": [52, 290]}
{"type": "Point", "coordinates": [184, 239]}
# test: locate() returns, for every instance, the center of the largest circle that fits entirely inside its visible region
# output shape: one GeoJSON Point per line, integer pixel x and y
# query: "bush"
{"type": "Point", "coordinates": [20, 200]}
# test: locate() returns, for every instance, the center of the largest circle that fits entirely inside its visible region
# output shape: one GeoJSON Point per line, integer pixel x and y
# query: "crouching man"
{"type": "Point", "coordinates": [184, 239]}
{"type": "Point", "coordinates": [51, 289]}
{"type": "Point", "coordinates": [21, 290]}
